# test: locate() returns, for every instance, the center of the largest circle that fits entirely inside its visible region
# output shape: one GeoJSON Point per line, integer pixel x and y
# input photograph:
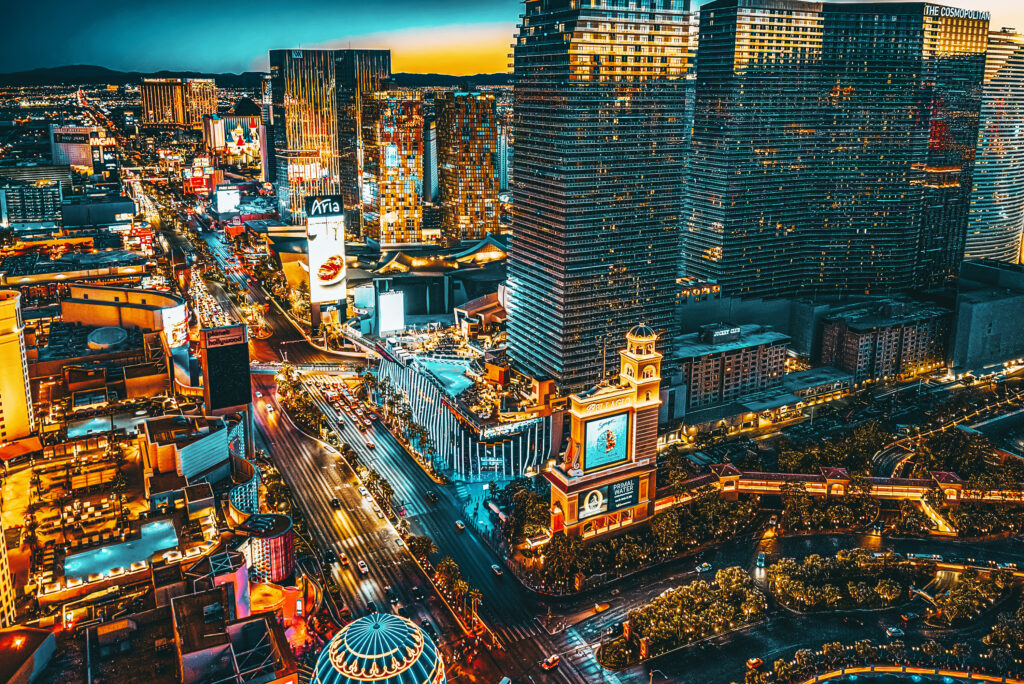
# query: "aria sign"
{"type": "Point", "coordinates": [955, 12]}
{"type": "Point", "coordinates": [323, 206]}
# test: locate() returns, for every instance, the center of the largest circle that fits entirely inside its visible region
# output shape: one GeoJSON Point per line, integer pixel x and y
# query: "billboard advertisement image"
{"type": "Point", "coordinates": [325, 234]}
{"type": "Point", "coordinates": [605, 441]}
{"type": "Point", "coordinates": [609, 498]}
{"type": "Point", "coordinates": [175, 320]}
{"type": "Point", "coordinates": [390, 312]}
{"type": "Point", "coordinates": [225, 357]}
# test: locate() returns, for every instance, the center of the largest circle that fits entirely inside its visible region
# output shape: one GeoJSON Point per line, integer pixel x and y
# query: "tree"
{"type": "Point", "coordinates": [888, 590]}
{"type": "Point", "coordinates": [421, 546]}
{"type": "Point", "coordinates": [833, 652]}
{"type": "Point", "coordinates": [805, 660]}
{"type": "Point", "coordinates": [783, 670]}
{"type": "Point", "coordinates": [931, 648]}
{"type": "Point", "coordinates": [865, 650]}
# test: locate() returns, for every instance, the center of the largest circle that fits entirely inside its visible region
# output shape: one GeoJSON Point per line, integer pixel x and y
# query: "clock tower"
{"type": "Point", "coordinates": [605, 481]}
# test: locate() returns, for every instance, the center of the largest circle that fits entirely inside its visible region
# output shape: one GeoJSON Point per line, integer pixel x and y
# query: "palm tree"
{"type": "Point", "coordinates": [475, 596]}
{"type": "Point", "coordinates": [783, 670]}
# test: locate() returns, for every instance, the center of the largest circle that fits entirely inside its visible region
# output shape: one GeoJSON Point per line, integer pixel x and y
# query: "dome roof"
{"type": "Point", "coordinates": [107, 337]}
{"type": "Point", "coordinates": [642, 331]}
{"type": "Point", "coordinates": [381, 648]}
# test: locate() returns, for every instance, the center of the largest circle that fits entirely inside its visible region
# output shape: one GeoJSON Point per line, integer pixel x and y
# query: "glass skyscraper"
{"type": "Point", "coordinates": [832, 145]}
{"type": "Point", "coordinates": [467, 150]}
{"type": "Point", "coordinates": [601, 137]}
{"type": "Point", "coordinates": [316, 98]}
{"type": "Point", "coordinates": [392, 166]}
{"type": "Point", "coordinates": [996, 218]}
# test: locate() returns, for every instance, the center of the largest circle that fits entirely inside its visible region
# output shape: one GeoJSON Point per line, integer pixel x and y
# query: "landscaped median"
{"type": "Point", "coordinates": [684, 615]}
{"type": "Point", "coordinates": [851, 579]}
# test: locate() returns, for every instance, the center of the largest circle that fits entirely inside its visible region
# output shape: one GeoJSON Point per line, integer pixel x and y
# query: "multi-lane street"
{"type": "Point", "coordinates": [354, 530]}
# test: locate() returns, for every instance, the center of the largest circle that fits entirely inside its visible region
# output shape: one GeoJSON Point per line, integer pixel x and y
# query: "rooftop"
{"type": "Point", "coordinates": [181, 430]}
{"type": "Point", "coordinates": [884, 313]}
{"type": "Point", "coordinates": [690, 345]}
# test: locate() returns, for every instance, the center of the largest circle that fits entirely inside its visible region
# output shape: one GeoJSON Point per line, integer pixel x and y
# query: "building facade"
{"type": "Point", "coordinates": [392, 182]}
{"type": "Point", "coordinates": [30, 204]}
{"type": "Point", "coordinates": [600, 144]}
{"type": "Point", "coordinates": [996, 220]}
{"type": "Point", "coordinates": [17, 419]}
{"type": "Point", "coordinates": [722, 363]}
{"type": "Point", "coordinates": [315, 116]}
{"type": "Point", "coordinates": [467, 151]}
{"type": "Point", "coordinates": [270, 546]}
{"type": "Point", "coordinates": [785, 192]}
{"type": "Point", "coordinates": [200, 101]}
{"type": "Point", "coordinates": [885, 340]}
{"type": "Point", "coordinates": [163, 102]}
{"type": "Point", "coordinates": [8, 612]}
{"type": "Point", "coordinates": [84, 147]}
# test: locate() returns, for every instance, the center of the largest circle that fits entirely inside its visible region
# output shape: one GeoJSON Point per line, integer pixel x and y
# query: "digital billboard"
{"type": "Point", "coordinates": [225, 354]}
{"type": "Point", "coordinates": [609, 498]}
{"type": "Point", "coordinates": [605, 441]}
{"type": "Point", "coordinates": [325, 235]}
{"type": "Point", "coordinates": [390, 312]}
{"type": "Point", "coordinates": [227, 198]}
{"type": "Point", "coordinates": [175, 321]}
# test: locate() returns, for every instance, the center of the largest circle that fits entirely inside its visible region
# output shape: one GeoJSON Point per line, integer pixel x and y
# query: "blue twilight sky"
{"type": "Point", "coordinates": [447, 36]}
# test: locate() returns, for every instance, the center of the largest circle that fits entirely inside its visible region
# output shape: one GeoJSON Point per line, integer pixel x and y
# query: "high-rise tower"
{"type": "Point", "coordinates": [467, 146]}
{"type": "Point", "coordinates": [996, 219]}
{"type": "Point", "coordinates": [316, 98]}
{"type": "Point", "coordinates": [601, 136]}
{"type": "Point", "coordinates": [16, 417]}
{"type": "Point", "coordinates": [832, 145]}
{"type": "Point", "coordinates": [392, 166]}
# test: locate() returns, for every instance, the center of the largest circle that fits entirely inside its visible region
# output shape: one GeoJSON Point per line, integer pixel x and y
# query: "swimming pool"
{"type": "Point", "coordinates": [156, 536]}
{"type": "Point", "coordinates": [452, 375]}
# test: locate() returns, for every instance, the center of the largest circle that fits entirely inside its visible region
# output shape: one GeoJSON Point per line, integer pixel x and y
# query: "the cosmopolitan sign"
{"type": "Point", "coordinates": [955, 12]}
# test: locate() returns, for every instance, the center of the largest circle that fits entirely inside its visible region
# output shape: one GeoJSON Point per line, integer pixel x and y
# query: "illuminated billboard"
{"type": "Point", "coordinates": [609, 498]}
{"type": "Point", "coordinates": [390, 312]}
{"type": "Point", "coordinates": [227, 198]}
{"type": "Point", "coordinates": [175, 321]}
{"type": "Point", "coordinates": [605, 441]}
{"type": "Point", "coordinates": [325, 235]}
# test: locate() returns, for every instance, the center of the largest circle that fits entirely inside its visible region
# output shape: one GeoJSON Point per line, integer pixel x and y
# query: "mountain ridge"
{"type": "Point", "coordinates": [90, 74]}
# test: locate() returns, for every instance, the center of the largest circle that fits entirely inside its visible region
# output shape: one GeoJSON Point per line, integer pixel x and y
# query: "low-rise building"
{"type": "Point", "coordinates": [885, 339]}
{"type": "Point", "coordinates": [988, 330]}
{"type": "Point", "coordinates": [724, 362]}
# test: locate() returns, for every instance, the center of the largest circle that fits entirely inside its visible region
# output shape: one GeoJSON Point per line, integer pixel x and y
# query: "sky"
{"type": "Point", "coordinates": [446, 36]}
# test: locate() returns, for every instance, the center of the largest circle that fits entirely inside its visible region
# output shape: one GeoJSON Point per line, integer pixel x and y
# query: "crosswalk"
{"type": "Point", "coordinates": [510, 634]}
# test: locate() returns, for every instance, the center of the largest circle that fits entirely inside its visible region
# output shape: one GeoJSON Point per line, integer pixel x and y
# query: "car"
{"type": "Point", "coordinates": [762, 559]}
{"type": "Point", "coordinates": [894, 632]}
{"type": "Point", "coordinates": [417, 593]}
{"type": "Point", "coordinates": [432, 496]}
{"type": "Point", "coordinates": [774, 521]}
{"type": "Point", "coordinates": [375, 508]}
{"type": "Point", "coordinates": [754, 663]}
{"type": "Point", "coordinates": [270, 409]}
{"type": "Point", "coordinates": [551, 662]}
{"type": "Point", "coordinates": [380, 515]}
{"type": "Point", "coordinates": [258, 394]}
{"type": "Point", "coordinates": [391, 595]}
{"type": "Point", "coordinates": [330, 556]}
{"type": "Point", "coordinates": [343, 559]}
{"type": "Point", "coordinates": [428, 628]}
{"type": "Point", "coordinates": [364, 491]}
{"type": "Point", "coordinates": [909, 617]}
{"type": "Point", "coordinates": [460, 525]}
{"type": "Point", "coordinates": [496, 569]}
{"type": "Point", "coordinates": [335, 503]}
{"type": "Point", "coordinates": [704, 567]}
{"type": "Point", "coordinates": [878, 527]}
{"type": "Point", "coordinates": [363, 570]}
{"type": "Point", "coordinates": [399, 541]}
{"type": "Point", "coordinates": [371, 607]}
{"type": "Point", "coordinates": [371, 445]}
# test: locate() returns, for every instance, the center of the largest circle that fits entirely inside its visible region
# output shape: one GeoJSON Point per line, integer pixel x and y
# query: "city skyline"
{"type": "Point", "coordinates": [442, 36]}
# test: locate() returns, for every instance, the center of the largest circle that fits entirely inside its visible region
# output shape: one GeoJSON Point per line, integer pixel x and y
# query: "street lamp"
{"type": "Point", "coordinates": [665, 676]}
